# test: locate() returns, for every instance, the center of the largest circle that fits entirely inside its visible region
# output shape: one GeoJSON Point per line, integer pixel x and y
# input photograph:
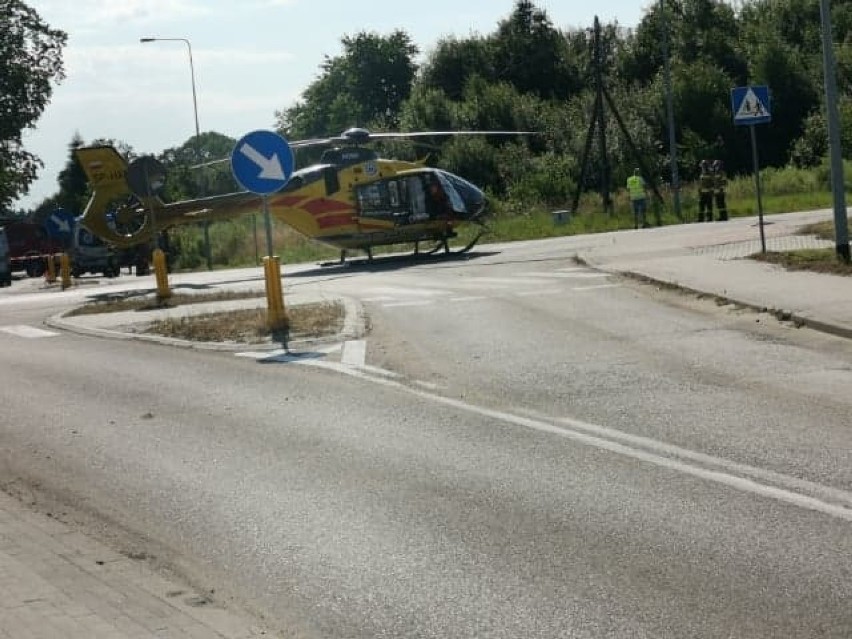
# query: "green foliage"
{"type": "Point", "coordinates": [531, 55]}
{"type": "Point", "coordinates": [365, 84]}
{"type": "Point", "coordinates": [454, 61]}
{"type": "Point", "coordinates": [30, 59]}
{"type": "Point", "coordinates": [186, 179]}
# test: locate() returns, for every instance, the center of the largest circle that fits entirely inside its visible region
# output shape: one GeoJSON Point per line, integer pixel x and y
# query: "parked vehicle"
{"type": "Point", "coordinates": [29, 247]}
{"type": "Point", "coordinates": [89, 254]}
{"type": "Point", "coordinates": [5, 262]}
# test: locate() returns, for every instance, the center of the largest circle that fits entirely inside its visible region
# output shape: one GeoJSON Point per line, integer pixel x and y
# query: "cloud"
{"type": "Point", "coordinates": [97, 13]}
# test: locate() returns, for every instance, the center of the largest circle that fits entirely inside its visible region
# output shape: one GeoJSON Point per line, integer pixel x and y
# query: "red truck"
{"type": "Point", "coordinates": [29, 247]}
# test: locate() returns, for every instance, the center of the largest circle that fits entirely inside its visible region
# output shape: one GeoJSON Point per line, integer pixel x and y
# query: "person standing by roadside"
{"type": "Point", "coordinates": [638, 194]}
{"type": "Point", "coordinates": [706, 185]}
{"type": "Point", "coordinates": [720, 184]}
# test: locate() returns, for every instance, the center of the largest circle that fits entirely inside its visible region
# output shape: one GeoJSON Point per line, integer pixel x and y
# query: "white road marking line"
{"type": "Point", "coordinates": [504, 281]}
{"type": "Point", "coordinates": [29, 332]}
{"type": "Point", "coordinates": [379, 298]}
{"type": "Point", "coordinates": [285, 356]}
{"type": "Point", "coordinates": [573, 269]}
{"type": "Point", "coordinates": [587, 275]}
{"type": "Point", "coordinates": [469, 298]}
{"type": "Point", "coordinates": [429, 385]}
{"type": "Point", "coordinates": [412, 303]}
{"type": "Point", "coordinates": [380, 371]}
{"type": "Point", "coordinates": [354, 353]}
{"type": "Point", "coordinates": [399, 291]}
{"type": "Point", "coordinates": [595, 288]}
{"type": "Point", "coordinates": [822, 504]}
{"type": "Point", "coordinates": [543, 291]}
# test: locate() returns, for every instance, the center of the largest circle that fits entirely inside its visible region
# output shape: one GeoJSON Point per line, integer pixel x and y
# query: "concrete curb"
{"type": "Point", "coordinates": [354, 327]}
{"type": "Point", "coordinates": [782, 315]}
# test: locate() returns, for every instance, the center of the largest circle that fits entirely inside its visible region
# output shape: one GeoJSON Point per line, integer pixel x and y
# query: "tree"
{"type": "Point", "coordinates": [531, 55]}
{"type": "Point", "coordinates": [73, 186]}
{"type": "Point", "coordinates": [366, 84]}
{"type": "Point", "coordinates": [455, 61]}
{"type": "Point", "coordinates": [30, 58]}
{"type": "Point", "coordinates": [185, 182]}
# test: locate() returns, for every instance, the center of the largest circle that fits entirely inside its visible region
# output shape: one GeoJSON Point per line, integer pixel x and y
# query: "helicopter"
{"type": "Point", "coordinates": [351, 199]}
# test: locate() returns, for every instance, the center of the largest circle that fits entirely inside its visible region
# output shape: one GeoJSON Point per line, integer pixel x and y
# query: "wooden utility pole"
{"type": "Point", "coordinates": [598, 121]}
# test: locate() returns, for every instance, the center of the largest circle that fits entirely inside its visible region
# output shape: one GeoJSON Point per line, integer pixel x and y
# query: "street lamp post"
{"type": "Point", "coordinates": [197, 130]}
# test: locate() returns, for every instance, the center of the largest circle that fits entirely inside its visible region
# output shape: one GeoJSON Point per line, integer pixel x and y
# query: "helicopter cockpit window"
{"type": "Point", "coordinates": [464, 196]}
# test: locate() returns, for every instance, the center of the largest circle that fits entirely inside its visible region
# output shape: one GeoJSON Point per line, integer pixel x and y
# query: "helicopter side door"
{"type": "Point", "coordinates": [404, 200]}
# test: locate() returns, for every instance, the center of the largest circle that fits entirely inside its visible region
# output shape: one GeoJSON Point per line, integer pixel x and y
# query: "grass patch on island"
{"type": "Point", "coordinates": [815, 260]}
{"type": "Point", "coordinates": [143, 301]}
{"type": "Point", "coordinates": [823, 230]}
{"type": "Point", "coordinates": [250, 326]}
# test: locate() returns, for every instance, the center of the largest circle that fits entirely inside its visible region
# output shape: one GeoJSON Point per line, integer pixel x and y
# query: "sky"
{"type": "Point", "coordinates": [251, 58]}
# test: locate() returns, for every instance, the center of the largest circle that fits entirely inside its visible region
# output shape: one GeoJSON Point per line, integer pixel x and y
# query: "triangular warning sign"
{"type": "Point", "coordinates": [751, 107]}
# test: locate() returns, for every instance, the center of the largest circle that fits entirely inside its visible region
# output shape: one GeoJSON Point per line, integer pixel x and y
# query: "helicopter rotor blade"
{"type": "Point", "coordinates": [424, 134]}
{"type": "Point", "coordinates": [363, 136]}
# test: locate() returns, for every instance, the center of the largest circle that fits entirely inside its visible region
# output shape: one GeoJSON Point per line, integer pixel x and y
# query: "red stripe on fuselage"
{"type": "Point", "coordinates": [324, 205]}
{"type": "Point", "coordinates": [328, 221]}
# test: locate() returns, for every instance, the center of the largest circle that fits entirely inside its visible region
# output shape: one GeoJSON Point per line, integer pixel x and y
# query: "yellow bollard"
{"type": "Point", "coordinates": [50, 272]}
{"type": "Point", "coordinates": [276, 317]}
{"type": "Point", "coordinates": [161, 273]}
{"type": "Point", "coordinates": [65, 270]}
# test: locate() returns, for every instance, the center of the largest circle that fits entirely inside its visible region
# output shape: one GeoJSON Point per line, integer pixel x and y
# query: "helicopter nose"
{"type": "Point", "coordinates": [471, 196]}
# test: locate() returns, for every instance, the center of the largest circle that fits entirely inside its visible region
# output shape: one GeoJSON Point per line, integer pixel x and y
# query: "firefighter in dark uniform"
{"type": "Point", "coordinates": [720, 184]}
{"type": "Point", "coordinates": [706, 184]}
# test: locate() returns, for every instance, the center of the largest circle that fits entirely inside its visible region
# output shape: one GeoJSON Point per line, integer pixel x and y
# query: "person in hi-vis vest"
{"type": "Point", "coordinates": [637, 191]}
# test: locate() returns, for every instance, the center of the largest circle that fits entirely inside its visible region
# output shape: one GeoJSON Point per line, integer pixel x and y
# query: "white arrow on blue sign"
{"type": "Point", "coordinates": [751, 105]}
{"type": "Point", "coordinates": [262, 162]}
{"type": "Point", "coordinates": [60, 224]}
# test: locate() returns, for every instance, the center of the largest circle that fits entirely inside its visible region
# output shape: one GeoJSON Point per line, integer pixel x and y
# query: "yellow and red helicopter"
{"type": "Point", "coordinates": [352, 199]}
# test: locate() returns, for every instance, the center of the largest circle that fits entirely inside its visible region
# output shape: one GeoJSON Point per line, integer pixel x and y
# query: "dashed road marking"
{"type": "Point", "coordinates": [541, 291]}
{"type": "Point", "coordinates": [595, 288]}
{"type": "Point", "coordinates": [566, 275]}
{"type": "Point", "coordinates": [28, 332]}
{"type": "Point", "coordinates": [411, 303]}
{"type": "Point", "coordinates": [469, 298]}
{"type": "Point", "coordinates": [354, 353]}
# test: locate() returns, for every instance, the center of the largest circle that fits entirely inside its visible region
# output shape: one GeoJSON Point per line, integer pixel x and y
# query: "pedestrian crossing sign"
{"type": "Point", "coordinates": [751, 105]}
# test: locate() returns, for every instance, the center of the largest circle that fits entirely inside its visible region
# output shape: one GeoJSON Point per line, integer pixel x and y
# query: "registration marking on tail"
{"type": "Point", "coordinates": [29, 332]}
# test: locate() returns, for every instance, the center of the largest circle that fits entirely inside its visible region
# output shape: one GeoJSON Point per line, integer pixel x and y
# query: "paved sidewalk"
{"type": "Point", "coordinates": [713, 261]}
{"type": "Point", "coordinates": [57, 583]}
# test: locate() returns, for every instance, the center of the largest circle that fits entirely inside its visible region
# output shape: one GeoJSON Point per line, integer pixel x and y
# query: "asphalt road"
{"type": "Point", "coordinates": [520, 447]}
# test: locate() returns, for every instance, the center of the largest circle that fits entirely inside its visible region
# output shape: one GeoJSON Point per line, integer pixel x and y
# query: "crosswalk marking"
{"type": "Point", "coordinates": [411, 303]}
{"type": "Point", "coordinates": [596, 288]}
{"type": "Point", "coordinates": [501, 281]}
{"type": "Point", "coordinates": [521, 284]}
{"type": "Point", "coordinates": [541, 291]}
{"type": "Point", "coordinates": [29, 332]}
{"type": "Point", "coordinates": [566, 275]}
{"type": "Point", "coordinates": [469, 298]}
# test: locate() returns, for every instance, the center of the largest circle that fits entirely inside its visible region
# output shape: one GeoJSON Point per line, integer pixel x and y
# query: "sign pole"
{"type": "Point", "coordinates": [751, 106]}
{"type": "Point", "coordinates": [262, 162]}
{"type": "Point", "coordinates": [268, 222]}
{"type": "Point", "coordinates": [838, 190]}
{"type": "Point", "coordinates": [757, 187]}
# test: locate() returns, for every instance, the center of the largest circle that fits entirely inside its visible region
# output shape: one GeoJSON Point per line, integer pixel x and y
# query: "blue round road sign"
{"type": "Point", "coordinates": [60, 224]}
{"type": "Point", "coordinates": [262, 162]}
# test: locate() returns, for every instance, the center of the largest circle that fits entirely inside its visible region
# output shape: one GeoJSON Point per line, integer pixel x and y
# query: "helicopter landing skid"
{"type": "Point", "coordinates": [443, 243]}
